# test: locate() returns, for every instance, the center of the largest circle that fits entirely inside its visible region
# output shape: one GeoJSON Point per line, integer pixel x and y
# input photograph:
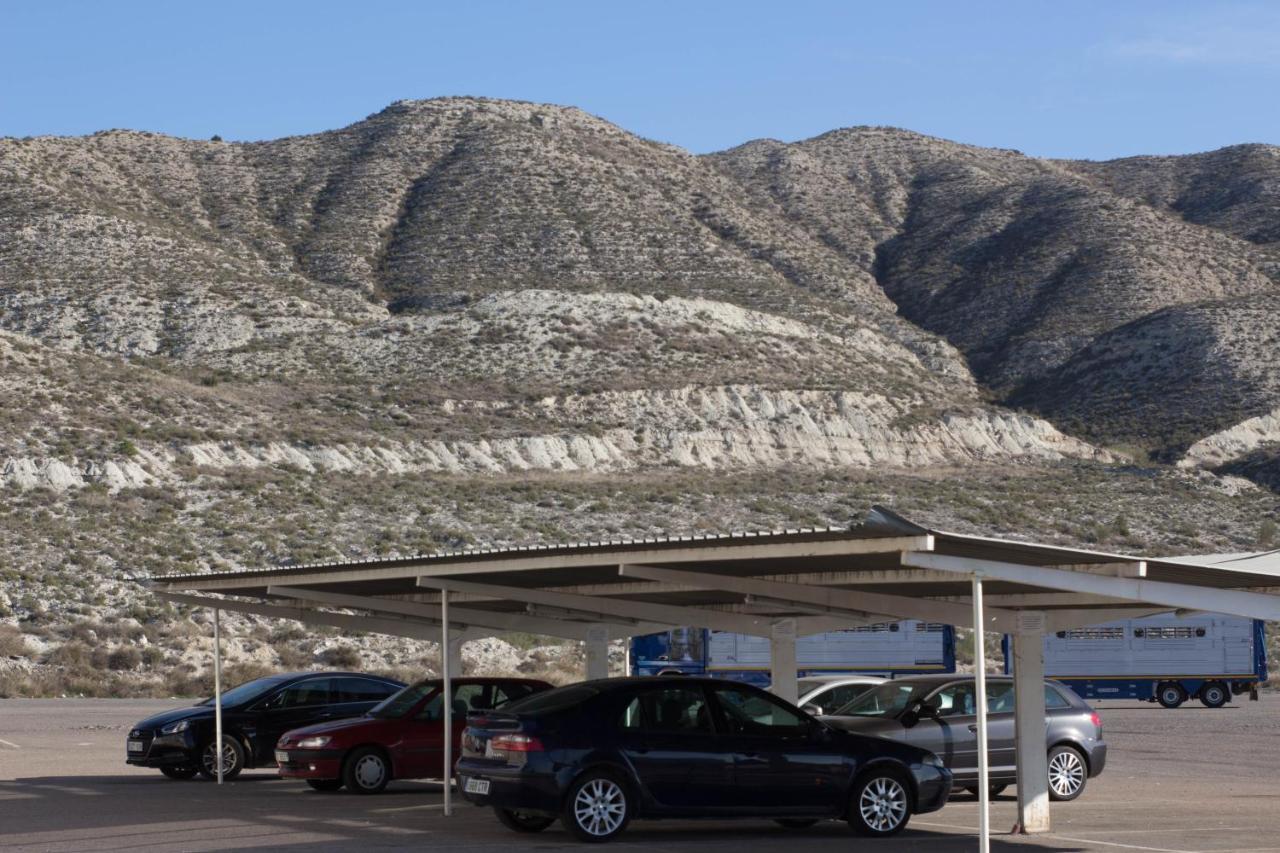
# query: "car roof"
{"type": "Point", "coordinates": [948, 677]}
{"type": "Point", "coordinates": [856, 677]}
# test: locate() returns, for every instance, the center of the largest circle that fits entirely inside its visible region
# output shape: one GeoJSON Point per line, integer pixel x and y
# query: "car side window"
{"type": "Point", "coordinates": [361, 690]}
{"type": "Point", "coordinates": [681, 710]}
{"type": "Point", "coordinates": [632, 719]}
{"type": "Point", "coordinates": [999, 697]}
{"type": "Point", "coordinates": [509, 693]}
{"type": "Point", "coordinates": [466, 697]}
{"type": "Point", "coordinates": [752, 713]}
{"type": "Point", "coordinates": [955, 700]}
{"type": "Point", "coordinates": [1054, 699]}
{"type": "Point", "coordinates": [838, 697]}
{"type": "Point", "coordinates": [313, 691]}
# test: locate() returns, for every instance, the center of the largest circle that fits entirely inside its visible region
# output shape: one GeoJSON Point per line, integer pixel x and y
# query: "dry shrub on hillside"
{"type": "Point", "coordinates": [12, 643]}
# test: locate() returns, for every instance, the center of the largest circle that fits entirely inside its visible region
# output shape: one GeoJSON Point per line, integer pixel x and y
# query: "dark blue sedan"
{"type": "Point", "coordinates": [600, 753]}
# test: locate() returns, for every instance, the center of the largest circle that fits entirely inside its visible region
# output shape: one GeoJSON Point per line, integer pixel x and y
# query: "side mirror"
{"type": "Point", "coordinates": [812, 710]}
{"type": "Point", "coordinates": [909, 718]}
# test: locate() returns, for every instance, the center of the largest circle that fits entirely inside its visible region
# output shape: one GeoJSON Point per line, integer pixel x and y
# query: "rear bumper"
{"type": "Point", "coordinates": [1097, 758]}
{"type": "Point", "coordinates": [520, 788]}
{"type": "Point", "coordinates": [310, 763]}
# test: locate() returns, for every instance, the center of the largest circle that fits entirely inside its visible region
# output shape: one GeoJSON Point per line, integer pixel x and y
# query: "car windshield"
{"type": "Point", "coordinates": [248, 691]}
{"type": "Point", "coordinates": [551, 701]}
{"type": "Point", "coordinates": [806, 685]}
{"type": "Point", "coordinates": [885, 700]}
{"type": "Point", "coordinates": [399, 704]}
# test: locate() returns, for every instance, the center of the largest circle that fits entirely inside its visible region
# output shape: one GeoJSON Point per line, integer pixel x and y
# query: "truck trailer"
{"type": "Point", "coordinates": [889, 649]}
{"type": "Point", "coordinates": [1164, 658]}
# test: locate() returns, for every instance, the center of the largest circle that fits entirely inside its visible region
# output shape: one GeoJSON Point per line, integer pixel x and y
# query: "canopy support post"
{"type": "Point", "coordinates": [217, 691]}
{"type": "Point", "coordinates": [446, 701]}
{"type": "Point", "coordinates": [980, 688]}
{"type": "Point", "coordinates": [597, 644]}
{"type": "Point", "coordinates": [782, 660]}
{"type": "Point", "coordinates": [1029, 715]}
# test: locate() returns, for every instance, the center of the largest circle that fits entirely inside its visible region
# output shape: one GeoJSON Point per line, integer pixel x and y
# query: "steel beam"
{"type": "Point", "coordinates": [666, 614]}
{"type": "Point", "coordinates": [902, 607]}
{"type": "Point", "coordinates": [1172, 595]}
{"type": "Point", "coordinates": [491, 619]}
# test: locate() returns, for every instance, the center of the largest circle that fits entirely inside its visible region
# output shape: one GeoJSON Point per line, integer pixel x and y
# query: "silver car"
{"type": "Point", "coordinates": [938, 714]}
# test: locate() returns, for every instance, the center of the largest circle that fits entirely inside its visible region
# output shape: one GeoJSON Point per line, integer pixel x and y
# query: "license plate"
{"type": "Point", "coordinates": [477, 786]}
{"type": "Point", "coordinates": [137, 746]}
{"type": "Point", "coordinates": [282, 757]}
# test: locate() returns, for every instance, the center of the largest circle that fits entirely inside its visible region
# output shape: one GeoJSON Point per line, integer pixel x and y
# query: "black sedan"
{"type": "Point", "coordinates": [600, 753]}
{"type": "Point", "coordinates": [254, 715]}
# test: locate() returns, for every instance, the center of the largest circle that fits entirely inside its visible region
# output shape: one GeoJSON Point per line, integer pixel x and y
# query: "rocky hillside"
{"type": "Point", "coordinates": [468, 320]}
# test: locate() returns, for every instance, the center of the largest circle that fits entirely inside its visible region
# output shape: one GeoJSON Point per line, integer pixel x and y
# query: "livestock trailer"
{"type": "Point", "coordinates": [890, 649]}
{"type": "Point", "coordinates": [1164, 658]}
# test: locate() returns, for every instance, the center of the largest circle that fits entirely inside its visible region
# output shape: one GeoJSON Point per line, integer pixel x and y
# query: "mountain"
{"type": "Point", "coordinates": [465, 320]}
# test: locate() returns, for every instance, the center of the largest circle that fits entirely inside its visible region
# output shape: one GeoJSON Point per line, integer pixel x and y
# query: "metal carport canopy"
{"type": "Point", "coordinates": [781, 584]}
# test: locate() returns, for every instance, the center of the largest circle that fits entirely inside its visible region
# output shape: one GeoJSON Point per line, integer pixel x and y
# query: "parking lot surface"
{"type": "Point", "coordinates": [1190, 779]}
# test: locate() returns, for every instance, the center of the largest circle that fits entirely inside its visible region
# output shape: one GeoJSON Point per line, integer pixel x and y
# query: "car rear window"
{"type": "Point", "coordinates": [552, 700]}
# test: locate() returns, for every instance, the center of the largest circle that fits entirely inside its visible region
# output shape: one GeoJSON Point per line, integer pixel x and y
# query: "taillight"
{"type": "Point", "coordinates": [515, 743]}
{"type": "Point", "coordinates": [1097, 721]}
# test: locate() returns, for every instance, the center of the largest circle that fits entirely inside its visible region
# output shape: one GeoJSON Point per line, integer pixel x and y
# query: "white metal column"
{"type": "Point", "coordinates": [446, 702]}
{"type": "Point", "coordinates": [782, 659]}
{"type": "Point", "coordinates": [1029, 720]}
{"type": "Point", "coordinates": [597, 644]}
{"type": "Point", "coordinates": [980, 688]}
{"type": "Point", "coordinates": [217, 691]}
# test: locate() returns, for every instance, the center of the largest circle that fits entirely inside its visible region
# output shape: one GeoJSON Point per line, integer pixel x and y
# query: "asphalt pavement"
{"type": "Point", "coordinates": [1190, 779]}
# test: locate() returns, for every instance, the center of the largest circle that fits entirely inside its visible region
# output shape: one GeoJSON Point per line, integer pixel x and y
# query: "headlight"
{"type": "Point", "coordinates": [933, 760]}
{"type": "Point", "coordinates": [312, 743]}
{"type": "Point", "coordinates": [174, 728]}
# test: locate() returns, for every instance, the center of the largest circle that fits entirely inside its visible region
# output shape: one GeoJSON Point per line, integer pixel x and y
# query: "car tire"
{"type": "Point", "coordinates": [796, 822]}
{"type": "Point", "coordinates": [367, 770]}
{"type": "Point", "coordinates": [232, 759]}
{"type": "Point", "coordinates": [519, 821]}
{"type": "Point", "coordinates": [597, 808]}
{"type": "Point", "coordinates": [1170, 694]}
{"type": "Point", "coordinates": [880, 805]}
{"type": "Point", "coordinates": [180, 771]}
{"type": "Point", "coordinates": [1215, 694]}
{"type": "Point", "coordinates": [1068, 773]}
{"type": "Point", "coordinates": [325, 784]}
{"type": "Point", "coordinates": [992, 791]}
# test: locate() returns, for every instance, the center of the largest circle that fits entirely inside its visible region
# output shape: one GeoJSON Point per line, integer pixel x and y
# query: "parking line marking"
{"type": "Point", "coordinates": [408, 808]}
{"type": "Point", "coordinates": [1116, 844]}
{"type": "Point", "coordinates": [10, 744]}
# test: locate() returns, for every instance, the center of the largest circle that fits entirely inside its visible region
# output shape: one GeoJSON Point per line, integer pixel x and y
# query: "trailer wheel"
{"type": "Point", "coordinates": [1170, 694]}
{"type": "Point", "coordinates": [1214, 694]}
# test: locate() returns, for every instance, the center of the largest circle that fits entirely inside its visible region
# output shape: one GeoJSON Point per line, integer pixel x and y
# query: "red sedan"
{"type": "Point", "coordinates": [400, 738]}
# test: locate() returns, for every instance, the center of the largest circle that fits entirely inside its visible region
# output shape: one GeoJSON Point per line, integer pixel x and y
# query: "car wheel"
{"type": "Point", "coordinates": [992, 792]}
{"type": "Point", "coordinates": [366, 770]}
{"type": "Point", "coordinates": [183, 771]}
{"type": "Point", "coordinates": [597, 807]}
{"type": "Point", "coordinates": [1170, 694]}
{"type": "Point", "coordinates": [881, 804]}
{"type": "Point", "coordinates": [1214, 694]}
{"type": "Point", "coordinates": [325, 784]}
{"type": "Point", "coordinates": [519, 821]}
{"type": "Point", "coordinates": [1067, 773]}
{"type": "Point", "coordinates": [795, 822]}
{"type": "Point", "coordinates": [232, 759]}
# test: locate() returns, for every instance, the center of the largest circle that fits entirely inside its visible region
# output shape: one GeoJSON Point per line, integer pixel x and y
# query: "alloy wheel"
{"type": "Point", "coordinates": [600, 807]}
{"type": "Point", "coordinates": [210, 759]}
{"type": "Point", "coordinates": [883, 804]}
{"type": "Point", "coordinates": [1066, 773]}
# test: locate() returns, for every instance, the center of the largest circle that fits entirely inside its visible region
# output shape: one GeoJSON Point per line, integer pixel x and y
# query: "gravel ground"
{"type": "Point", "coordinates": [1178, 781]}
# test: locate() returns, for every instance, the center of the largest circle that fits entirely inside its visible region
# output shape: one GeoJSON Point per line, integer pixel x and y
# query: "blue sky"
{"type": "Point", "coordinates": [1081, 79]}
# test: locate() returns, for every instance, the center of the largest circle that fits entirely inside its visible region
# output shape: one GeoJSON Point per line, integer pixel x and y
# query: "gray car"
{"type": "Point", "coordinates": [937, 713]}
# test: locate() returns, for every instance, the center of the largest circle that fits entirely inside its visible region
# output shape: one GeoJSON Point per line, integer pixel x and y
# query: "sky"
{"type": "Point", "coordinates": [1081, 79]}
